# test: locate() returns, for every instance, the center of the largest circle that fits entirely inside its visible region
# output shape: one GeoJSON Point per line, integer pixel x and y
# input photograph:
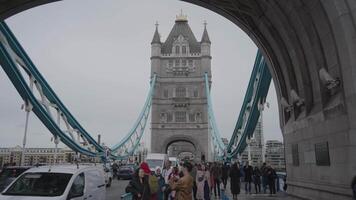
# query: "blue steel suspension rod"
{"type": "Point", "coordinates": [9, 66]}
{"type": "Point", "coordinates": [47, 90]}
{"type": "Point", "coordinates": [261, 82]}
{"type": "Point", "coordinates": [138, 124]}
{"type": "Point", "coordinates": [247, 99]}
{"type": "Point", "coordinates": [216, 134]}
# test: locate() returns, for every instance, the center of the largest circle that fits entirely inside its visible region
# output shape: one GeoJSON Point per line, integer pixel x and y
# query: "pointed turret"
{"type": "Point", "coordinates": [205, 37]}
{"type": "Point", "coordinates": [155, 51]}
{"type": "Point", "coordinates": [156, 37]}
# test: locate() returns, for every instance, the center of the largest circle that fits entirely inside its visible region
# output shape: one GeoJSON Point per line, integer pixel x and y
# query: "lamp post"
{"type": "Point", "coordinates": [28, 108]}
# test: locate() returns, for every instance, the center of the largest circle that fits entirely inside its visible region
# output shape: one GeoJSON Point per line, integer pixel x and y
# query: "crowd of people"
{"type": "Point", "coordinates": [203, 181]}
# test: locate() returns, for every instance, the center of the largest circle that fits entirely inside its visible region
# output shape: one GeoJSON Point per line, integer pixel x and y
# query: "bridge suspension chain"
{"type": "Point", "coordinates": [128, 145]}
{"type": "Point", "coordinates": [43, 100]}
{"type": "Point", "coordinates": [218, 145]}
{"type": "Point", "coordinates": [255, 97]}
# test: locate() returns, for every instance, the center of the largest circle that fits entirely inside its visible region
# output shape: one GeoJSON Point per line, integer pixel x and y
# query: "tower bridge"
{"type": "Point", "coordinates": [307, 47]}
{"type": "Point", "coordinates": [179, 106]}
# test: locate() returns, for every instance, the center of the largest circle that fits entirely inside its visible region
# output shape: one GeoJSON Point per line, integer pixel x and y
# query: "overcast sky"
{"type": "Point", "coordinates": [96, 57]}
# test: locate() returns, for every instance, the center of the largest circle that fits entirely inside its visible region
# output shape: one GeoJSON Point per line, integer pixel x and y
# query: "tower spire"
{"type": "Point", "coordinates": [205, 38]}
{"type": "Point", "coordinates": [156, 37]}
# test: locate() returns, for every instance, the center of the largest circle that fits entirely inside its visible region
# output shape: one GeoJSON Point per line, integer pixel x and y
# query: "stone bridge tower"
{"type": "Point", "coordinates": [179, 107]}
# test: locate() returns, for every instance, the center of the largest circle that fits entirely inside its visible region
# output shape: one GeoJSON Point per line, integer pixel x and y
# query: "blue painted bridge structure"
{"type": "Point", "coordinates": [41, 99]}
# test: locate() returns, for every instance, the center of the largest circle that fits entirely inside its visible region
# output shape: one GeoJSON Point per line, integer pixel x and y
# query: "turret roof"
{"type": "Point", "coordinates": [181, 27]}
{"type": "Point", "coordinates": [205, 37]}
{"type": "Point", "coordinates": [156, 37]}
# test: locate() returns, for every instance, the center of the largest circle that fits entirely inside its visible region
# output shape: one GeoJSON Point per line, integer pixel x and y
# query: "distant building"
{"type": "Point", "coordinates": [255, 146]}
{"type": "Point", "coordinates": [275, 155]}
{"type": "Point", "coordinates": [33, 156]}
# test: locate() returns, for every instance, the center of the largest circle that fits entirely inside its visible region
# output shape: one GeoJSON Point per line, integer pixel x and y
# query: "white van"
{"type": "Point", "coordinates": [61, 182]}
{"type": "Point", "coordinates": [156, 160]}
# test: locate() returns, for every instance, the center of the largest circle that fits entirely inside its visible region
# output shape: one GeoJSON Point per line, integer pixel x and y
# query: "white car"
{"type": "Point", "coordinates": [61, 182]}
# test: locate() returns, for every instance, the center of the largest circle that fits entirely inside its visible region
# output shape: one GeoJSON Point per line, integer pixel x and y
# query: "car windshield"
{"type": "Point", "coordinates": [154, 163]}
{"type": "Point", "coordinates": [11, 173]}
{"type": "Point", "coordinates": [8, 175]}
{"type": "Point", "coordinates": [39, 184]}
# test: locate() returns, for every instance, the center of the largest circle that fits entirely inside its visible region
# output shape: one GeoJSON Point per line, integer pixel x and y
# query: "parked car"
{"type": "Point", "coordinates": [9, 174]}
{"type": "Point", "coordinates": [125, 172]}
{"type": "Point", "coordinates": [61, 182]}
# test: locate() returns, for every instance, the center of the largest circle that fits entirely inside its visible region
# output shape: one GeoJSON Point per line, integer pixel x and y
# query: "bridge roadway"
{"type": "Point", "coordinates": [118, 188]}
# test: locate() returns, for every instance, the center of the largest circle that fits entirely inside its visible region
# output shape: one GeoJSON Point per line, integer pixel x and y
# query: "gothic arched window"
{"type": "Point", "coordinates": [177, 49]}
{"type": "Point", "coordinates": [184, 49]}
{"type": "Point", "coordinates": [181, 92]}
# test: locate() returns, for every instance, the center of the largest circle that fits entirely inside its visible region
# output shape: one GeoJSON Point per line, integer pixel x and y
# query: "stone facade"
{"type": "Point", "coordinates": [179, 106]}
{"type": "Point", "coordinates": [275, 155]}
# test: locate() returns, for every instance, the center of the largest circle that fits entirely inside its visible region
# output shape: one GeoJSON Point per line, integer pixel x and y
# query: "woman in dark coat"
{"type": "Point", "coordinates": [235, 176]}
{"type": "Point", "coordinates": [138, 186]}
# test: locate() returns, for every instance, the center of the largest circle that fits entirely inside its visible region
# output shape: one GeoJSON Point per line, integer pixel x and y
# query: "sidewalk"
{"type": "Point", "coordinates": [242, 196]}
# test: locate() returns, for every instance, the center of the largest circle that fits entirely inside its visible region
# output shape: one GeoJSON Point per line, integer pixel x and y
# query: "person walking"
{"type": "Point", "coordinates": [161, 184]}
{"type": "Point", "coordinates": [216, 171]}
{"type": "Point", "coordinates": [184, 186]}
{"type": "Point", "coordinates": [248, 170]}
{"type": "Point", "coordinates": [257, 179]}
{"type": "Point", "coordinates": [225, 174]}
{"type": "Point", "coordinates": [194, 175]}
{"type": "Point", "coordinates": [235, 176]}
{"type": "Point", "coordinates": [271, 179]}
{"type": "Point", "coordinates": [202, 180]}
{"type": "Point", "coordinates": [138, 186]}
{"type": "Point", "coordinates": [264, 177]}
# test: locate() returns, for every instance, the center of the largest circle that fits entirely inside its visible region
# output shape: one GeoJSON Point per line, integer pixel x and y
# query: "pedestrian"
{"type": "Point", "coordinates": [152, 180]}
{"type": "Point", "coordinates": [264, 177]}
{"type": "Point", "coordinates": [173, 177]}
{"type": "Point", "coordinates": [257, 179]}
{"type": "Point", "coordinates": [161, 184]}
{"type": "Point", "coordinates": [184, 186]}
{"type": "Point", "coordinates": [216, 171]}
{"type": "Point", "coordinates": [194, 175]}
{"type": "Point", "coordinates": [248, 170]}
{"type": "Point", "coordinates": [271, 179]}
{"type": "Point", "coordinates": [138, 186]}
{"type": "Point", "coordinates": [225, 174]}
{"type": "Point", "coordinates": [202, 180]}
{"type": "Point", "coordinates": [235, 176]}
{"type": "Point", "coordinates": [353, 187]}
